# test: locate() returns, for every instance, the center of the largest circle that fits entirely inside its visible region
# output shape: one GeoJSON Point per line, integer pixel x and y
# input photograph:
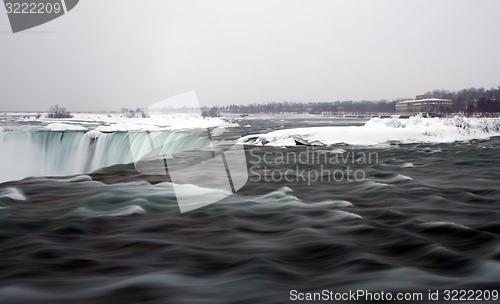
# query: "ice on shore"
{"type": "Point", "coordinates": [384, 130]}
{"type": "Point", "coordinates": [64, 127]}
{"type": "Point", "coordinates": [120, 123]}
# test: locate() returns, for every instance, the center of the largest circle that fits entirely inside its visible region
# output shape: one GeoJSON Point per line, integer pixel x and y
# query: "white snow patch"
{"type": "Point", "coordinates": [386, 130]}
{"type": "Point", "coordinates": [57, 126]}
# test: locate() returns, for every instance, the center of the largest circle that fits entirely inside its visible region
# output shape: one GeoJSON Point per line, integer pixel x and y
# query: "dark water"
{"type": "Point", "coordinates": [424, 217]}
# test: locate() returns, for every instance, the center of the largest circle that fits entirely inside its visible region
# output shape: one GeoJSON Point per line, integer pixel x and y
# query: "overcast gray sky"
{"type": "Point", "coordinates": [106, 54]}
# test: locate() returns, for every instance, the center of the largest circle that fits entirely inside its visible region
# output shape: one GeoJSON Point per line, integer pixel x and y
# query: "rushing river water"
{"type": "Point", "coordinates": [387, 218]}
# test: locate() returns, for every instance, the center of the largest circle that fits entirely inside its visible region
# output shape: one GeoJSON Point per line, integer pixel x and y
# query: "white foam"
{"type": "Point", "coordinates": [12, 193]}
{"type": "Point", "coordinates": [397, 178]}
{"type": "Point", "coordinates": [129, 210]}
{"type": "Point", "coordinates": [284, 197]}
{"type": "Point", "coordinates": [386, 130]}
{"type": "Point", "coordinates": [338, 151]}
{"type": "Point", "coordinates": [336, 203]}
{"type": "Point", "coordinates": [407, 165]}
{"type": "Point", "coordinates": [125, 211]}
{"type": "Point", "coordinates": [344, 215]}
{"type": "Point", "coordinates": [369, 184]}
{"type": "Point", "coordinates": [445, 224]}
{"type": "Point", "coordinates": [75, 179]}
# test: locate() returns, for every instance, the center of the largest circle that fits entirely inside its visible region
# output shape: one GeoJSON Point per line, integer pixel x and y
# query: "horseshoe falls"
{"type": "Point", "coordinates": [59, 153]}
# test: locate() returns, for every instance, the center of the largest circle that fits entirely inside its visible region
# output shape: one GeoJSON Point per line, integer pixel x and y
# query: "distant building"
{"type": "Point", "coordinates": [424, 104]}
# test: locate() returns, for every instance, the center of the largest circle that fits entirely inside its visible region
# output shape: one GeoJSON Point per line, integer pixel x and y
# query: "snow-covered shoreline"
{"type": "Point", "coordinates": [120, 123]}
{"type": "Point", "coordinates": [384, 130]}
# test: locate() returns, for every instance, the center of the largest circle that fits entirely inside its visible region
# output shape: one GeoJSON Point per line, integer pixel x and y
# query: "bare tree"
{"type": "Point", "coordinates": [58, 112]}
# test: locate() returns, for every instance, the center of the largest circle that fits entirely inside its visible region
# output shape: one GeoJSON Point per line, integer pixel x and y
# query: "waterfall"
{"type": "Point", "coordinates": [49, 153]}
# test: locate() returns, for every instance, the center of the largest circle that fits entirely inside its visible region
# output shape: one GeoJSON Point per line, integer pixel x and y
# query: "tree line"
{"type": "Point", "coordinates": [470, 101]}
{"type": "Point", "coordinates": [336, 107]}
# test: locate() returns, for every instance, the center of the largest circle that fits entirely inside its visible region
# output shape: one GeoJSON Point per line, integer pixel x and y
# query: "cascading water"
{"type": "Point", "coordinates": [49, 153]}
